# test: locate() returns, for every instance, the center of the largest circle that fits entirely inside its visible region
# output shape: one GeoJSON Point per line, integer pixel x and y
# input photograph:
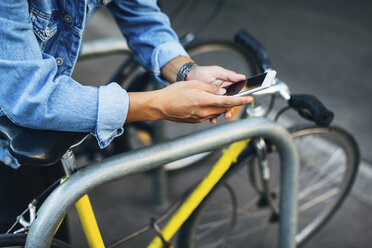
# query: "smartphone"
{"type": "Point", "coordinates": [250, 85]}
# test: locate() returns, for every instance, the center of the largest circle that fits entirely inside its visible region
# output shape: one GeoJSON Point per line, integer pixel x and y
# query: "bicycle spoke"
{"type": "Point", "coordinates": [318, 199]}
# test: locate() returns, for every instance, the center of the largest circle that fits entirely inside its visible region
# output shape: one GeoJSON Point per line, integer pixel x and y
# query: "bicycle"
{"type": "Point", "coordinates": [155, 157]}
{"type": "Point", "coordinates": [263, 192]}
{"type": "Point", "coordinates": [256, 60]}
{"type": "Point", "coordinates": [329, 160]}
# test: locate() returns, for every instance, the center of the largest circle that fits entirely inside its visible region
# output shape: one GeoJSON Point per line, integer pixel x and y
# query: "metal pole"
{"type": "Point", "coordinates": [65, 195]}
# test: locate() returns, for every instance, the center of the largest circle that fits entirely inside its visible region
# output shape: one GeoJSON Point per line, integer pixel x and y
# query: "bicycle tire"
{"type": "Point", "coordinates": [258, 230]}
{"type": "Point", "coordinates": [224, 53]}
{"type": "Point", "coordinates": [19, 240]}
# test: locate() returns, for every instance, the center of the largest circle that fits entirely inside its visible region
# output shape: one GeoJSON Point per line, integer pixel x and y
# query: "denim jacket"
{"type": "Point", "coordinates": [39, 46]}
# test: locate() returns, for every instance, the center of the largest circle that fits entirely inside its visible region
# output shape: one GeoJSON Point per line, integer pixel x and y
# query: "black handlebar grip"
{"type": "Point", "coordinates": [311, 108]}
{"type": "Point", "coordinates": [252, 45]}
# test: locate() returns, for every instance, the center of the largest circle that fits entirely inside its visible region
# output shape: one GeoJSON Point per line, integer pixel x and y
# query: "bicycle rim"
{"type": "Point", "coordinates": [326, 176]}
{"type": "Point", "coordinates": [329, 160]}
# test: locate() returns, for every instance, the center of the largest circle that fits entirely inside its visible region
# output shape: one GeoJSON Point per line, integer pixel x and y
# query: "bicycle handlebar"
{"type": "Point", "coordinates": [249, 42]}
{"type": "Point", "coordinates": [308, 106]}
{"type": "Point", "coordinates": [311, 108]}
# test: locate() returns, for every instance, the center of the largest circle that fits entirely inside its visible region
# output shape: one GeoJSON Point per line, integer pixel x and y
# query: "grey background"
{"type": "Point", "coordinates": [318, 47]}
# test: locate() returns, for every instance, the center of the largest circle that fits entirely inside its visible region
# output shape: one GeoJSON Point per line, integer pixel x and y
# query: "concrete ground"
{"type": "Point", "coordinates": [317, 47]}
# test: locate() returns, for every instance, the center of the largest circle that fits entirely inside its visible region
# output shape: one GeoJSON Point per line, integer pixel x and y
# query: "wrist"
{"type": "Point", "coordinates": [145, 106]}
{"type": "Point", "coordinates": [170, 70]}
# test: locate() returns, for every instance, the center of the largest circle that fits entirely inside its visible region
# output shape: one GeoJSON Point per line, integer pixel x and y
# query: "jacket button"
{"type": "Point", "coordinates": [68, 18]}
{"type": "Point", "coordinates": [59, 61]}
{"type": "Point", "coordinates": [47, 32]}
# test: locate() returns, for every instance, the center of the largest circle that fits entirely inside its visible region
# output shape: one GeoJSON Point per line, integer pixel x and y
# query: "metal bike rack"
{"type": "Point", "coordinates": [86, 179]}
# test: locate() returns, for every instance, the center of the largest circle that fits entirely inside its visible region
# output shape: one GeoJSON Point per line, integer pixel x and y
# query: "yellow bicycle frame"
{"type": "Point", "coordinates": [192, 202]}
{"type": "Point", "coordinates": [88, 222]}
{"type": "Point", "coordinates": [230, 156]}
{"type": "Point", "coordinates": [90, 226]}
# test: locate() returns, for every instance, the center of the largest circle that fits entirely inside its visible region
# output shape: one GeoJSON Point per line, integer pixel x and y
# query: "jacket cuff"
{"type": "Point", "coordinates": [162, 55]}
{"type": "Point", "coordinates": [113, 104]}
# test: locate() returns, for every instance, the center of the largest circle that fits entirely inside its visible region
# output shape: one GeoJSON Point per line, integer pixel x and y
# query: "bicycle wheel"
{"type": "Point", "coordinates": [224, 53]}
{"type": "Point", "coordinates": [329, 159]}
{"type": "Point", "coordinates": [19, 240]}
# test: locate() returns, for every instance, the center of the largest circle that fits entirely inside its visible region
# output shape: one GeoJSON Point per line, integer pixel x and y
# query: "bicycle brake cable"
{"type": "Point", "coordinates": [281, 112]}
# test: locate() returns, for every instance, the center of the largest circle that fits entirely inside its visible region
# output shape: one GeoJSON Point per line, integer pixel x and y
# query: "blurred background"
{"type": "Point", "coordinates": [317, 47]}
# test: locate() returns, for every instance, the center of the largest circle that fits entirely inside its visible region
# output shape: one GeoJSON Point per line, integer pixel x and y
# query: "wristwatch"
{"type": "Point", "coordinates": [182, 73]}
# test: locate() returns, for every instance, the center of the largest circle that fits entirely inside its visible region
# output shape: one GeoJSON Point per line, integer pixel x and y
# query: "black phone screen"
{"type": "Point", "coordinates": [248, 84]}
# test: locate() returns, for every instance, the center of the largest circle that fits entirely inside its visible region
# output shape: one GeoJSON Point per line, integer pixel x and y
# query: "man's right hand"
{"type": "Point", "coordinates": [190, 101]}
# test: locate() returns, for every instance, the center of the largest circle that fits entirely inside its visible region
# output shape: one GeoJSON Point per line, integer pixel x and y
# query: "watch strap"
{"type": "Point", "coordinates": [182, 73]}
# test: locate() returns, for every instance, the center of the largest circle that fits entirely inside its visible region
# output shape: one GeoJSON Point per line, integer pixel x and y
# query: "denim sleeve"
{"type": "Point", "coordinates": [148, 32]}
{"type": "Point", "coordinates": [32, 94]}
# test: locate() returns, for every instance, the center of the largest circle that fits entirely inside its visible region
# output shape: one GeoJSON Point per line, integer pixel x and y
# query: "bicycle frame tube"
{"type": "Point", "coordinates": [123, 165]}
{"type": "Point", "coordinates": [229, 156]}
{"type": "Point", "coordinates": [83, 206]}
{"type": "Point", "coordinates": [89, 223]}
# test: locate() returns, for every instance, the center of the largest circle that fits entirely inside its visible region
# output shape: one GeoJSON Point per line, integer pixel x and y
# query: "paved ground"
{"type": "Point", "coordinates": [319, 47]}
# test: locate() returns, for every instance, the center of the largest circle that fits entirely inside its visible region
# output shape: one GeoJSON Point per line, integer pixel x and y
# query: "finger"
{"type": "Point", "coordinates": [232, 101]}
{"type": "Point", "coordinates": [213, 120]}
{"type": "Point", "coordinates": [228, 75]}
{"type": "Point", "coordinates": [235, 77]}
{"type": "Point", "coordinates": [213, 112]}
{"type": "Point", "coordinates": [210, 88]}
{"type": "Point", "coordinates": [218, 82]}
{"type": "Point", "coordinates": [225, 84]}
{"type": "Point", "coordinates": [228, 114]}
{"type": "Point", "coordinates": [222, 83]}
{"type": "Point", "coordinates": [235, 113]}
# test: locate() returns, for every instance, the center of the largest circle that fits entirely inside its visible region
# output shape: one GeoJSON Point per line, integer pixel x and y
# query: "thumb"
{"type": "Point", "coordinates": [235, 77]}
{"type": "Point", "coordinates": [228, 75]}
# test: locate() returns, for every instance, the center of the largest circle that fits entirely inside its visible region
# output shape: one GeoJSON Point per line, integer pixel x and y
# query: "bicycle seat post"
{"type": "Point", "coordinates": [69, 163]}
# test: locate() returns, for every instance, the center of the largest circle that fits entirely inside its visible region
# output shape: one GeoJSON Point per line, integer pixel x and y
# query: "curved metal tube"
{"type": "Point", "coordinates": [133, 162]}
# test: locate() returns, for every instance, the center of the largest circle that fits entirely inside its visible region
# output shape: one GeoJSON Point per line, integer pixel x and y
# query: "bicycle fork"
{"type": "Point", "coordinates": [267, 197]}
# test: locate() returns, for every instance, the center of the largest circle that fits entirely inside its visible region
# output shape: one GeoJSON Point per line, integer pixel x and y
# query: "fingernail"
{"type": "Point", "coordinates": [238, 77]}
{"type": "Point", "coordinates": [222, 91]}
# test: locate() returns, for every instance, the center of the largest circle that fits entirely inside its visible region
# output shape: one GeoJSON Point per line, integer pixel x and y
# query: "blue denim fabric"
{"type": "Point", "coordinates": [39, 46]}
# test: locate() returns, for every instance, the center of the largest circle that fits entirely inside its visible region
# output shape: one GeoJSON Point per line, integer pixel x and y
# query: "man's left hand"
{"type": "Point", "coordinates": [215, 75]}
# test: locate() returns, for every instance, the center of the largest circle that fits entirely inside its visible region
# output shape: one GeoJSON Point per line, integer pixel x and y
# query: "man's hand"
{"type": "Point", "coordinates": [210, 74]}
{"type": "Point", "coordinates": [214, 75]}
{"type": "Point", "coordinates": [218, 76]}
{"type": "Point", "coordinates": [191, 101]}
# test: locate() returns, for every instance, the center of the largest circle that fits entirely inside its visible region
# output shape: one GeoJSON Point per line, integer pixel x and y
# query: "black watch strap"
{"type": "Point", "coordinates": [182, 73]}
